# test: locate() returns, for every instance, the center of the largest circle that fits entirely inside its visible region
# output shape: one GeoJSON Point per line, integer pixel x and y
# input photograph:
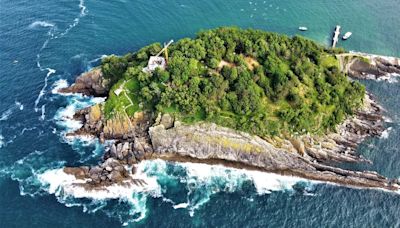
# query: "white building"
{"type": "Point", "coordinates": [154, 62]}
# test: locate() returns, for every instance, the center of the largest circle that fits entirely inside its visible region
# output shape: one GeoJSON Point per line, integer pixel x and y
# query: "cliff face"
{"type": "Point", "coordinates": [366, 66]}
{"type": "Point", "coordinates": [303, 156]}
{"type": "Point", "coordinates": [209, 141]}
{"type": "Point", "coordinates": [91, 83]}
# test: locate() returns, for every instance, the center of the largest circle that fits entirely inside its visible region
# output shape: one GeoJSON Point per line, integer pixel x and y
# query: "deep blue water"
{"type": "Point", "coordinates": [43, 44]}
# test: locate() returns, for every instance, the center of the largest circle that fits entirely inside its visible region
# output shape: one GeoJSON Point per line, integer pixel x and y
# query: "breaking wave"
{"type": "Point", "coordinates": [198, 181]}
{"type": "Point", "coordinates": [65, 116]}
{"type": "Point", "coordinates": [385, 133]}
{"type": "Point", "coordinates": [390, 78]}
{"type": "Point", "coordinates": [41, 24]}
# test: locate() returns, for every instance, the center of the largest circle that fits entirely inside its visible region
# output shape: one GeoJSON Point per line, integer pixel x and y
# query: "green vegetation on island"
{"type": "Point", "coordinates": [251, 80]}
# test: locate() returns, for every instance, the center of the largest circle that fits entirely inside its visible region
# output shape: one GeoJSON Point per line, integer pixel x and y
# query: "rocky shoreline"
{"type": "Point", "coordinates": [306, 156]}
{"type": "Point", "coordinates": [367, 66]}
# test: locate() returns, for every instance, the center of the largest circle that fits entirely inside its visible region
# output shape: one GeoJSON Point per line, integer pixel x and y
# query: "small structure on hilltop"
{"type": "Point", "coordinates": [158, 61]}
{"type": "Point", "coordinates": [335, 39]}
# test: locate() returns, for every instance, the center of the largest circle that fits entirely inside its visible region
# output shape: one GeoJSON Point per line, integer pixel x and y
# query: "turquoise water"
{"type": "Point", "coordinates": [44, 44]}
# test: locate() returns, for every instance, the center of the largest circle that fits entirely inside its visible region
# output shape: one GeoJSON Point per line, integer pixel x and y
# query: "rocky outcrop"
{"type": "Point", "coordinates": [209, 143]}
{"type": "Point", "coordinates": [117, 127]}
{"type": "Point", "coordinates": [90, 83]}
{"type": "Point", "coordinates": [366, 66]}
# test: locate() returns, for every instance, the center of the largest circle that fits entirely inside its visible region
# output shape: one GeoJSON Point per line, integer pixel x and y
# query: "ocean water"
{"type": "Point", "coordinates": [45, 44]}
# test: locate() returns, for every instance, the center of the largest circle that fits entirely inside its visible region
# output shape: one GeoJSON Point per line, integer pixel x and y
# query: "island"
{"type": "Point", "coordinates": [242, 98]}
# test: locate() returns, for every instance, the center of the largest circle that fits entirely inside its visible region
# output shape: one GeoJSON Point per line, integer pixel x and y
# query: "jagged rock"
{"type": "Point", "coordinates": [119, 154]}
{"type": "Point", "coordinates": [101, 138]}
{"type": "Point", "coordinates": [125, 149]}
{"type": "Point", "coordinates": [167, 120]}
{"type": "Point", "coordinates": [95, 171]}
{"type": "Point", "coordinates": [90, 83]}
{"type": "Point", "coordinates": [138, 147]}
{"type": "Point", "coordinates": [113, 151]}
{"type": "Point", "coordinates": [208, 141]}
{"type": "Point", "coordinates": [115, 176]}
{"type": "Point", "coordinates": [111, 162]}
{"type": "Point", "coordinates": [78, 172]}
{"type": "Point", "coordinates": [307, 156]}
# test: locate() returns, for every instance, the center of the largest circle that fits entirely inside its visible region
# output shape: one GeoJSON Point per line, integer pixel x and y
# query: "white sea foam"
{"type": "Point", "coordinates": [65, 118]}
{"type": "Point", "coordinates": [181, 205]}
{"type": "Point", "coordinates": [6, 114]}
{"type": "Point", "coordinates": [43, 90]}
{"type": "Point", "coordinates": [27, 129]}
{"type": "Point", "coordinates": [90, 62]}
{"type": "Point", "coordinates": [63, 186]}
{"type": "Point", "coordinates": [390, 78]}
{"type": "Point", "coordinates": [19, 105]}
{"type": "Point", "coordinates": [385, 133]}
{"type": "Point", "coordinates": [52, 35]}
{"type": "Point", "coordinates": [1, 141]}
{"type": "Point", "coordinates": [200, 180]}
{"type": "Point", "coordinates": [264, 182]}
{"type": "Point", "coordinates": [59, 84]}
{"type": "Point", "coordinates": [43, 115]}
{"type": "Point", "coordinates": [41, 24]}
{"type": "Point", "coordinates": [82, 13]}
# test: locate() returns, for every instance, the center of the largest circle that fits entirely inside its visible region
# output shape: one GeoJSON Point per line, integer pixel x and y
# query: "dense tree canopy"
{"type": "Point", "coordinates": [255, 81]}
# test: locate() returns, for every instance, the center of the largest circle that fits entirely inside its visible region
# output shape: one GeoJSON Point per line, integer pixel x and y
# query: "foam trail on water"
{"type": "Point", "coordinates": [6, 114]}
{"type": "Point", "coordinates": [1, 141]}
{"type": "Point", "coordinates": [82, 13]}
{"type": "Point", "coordinates": [43, 115]}
{"type": "Point", "coordinates": [27, 129]}
{"type": "Point", "coordinates": [19, 105]}
{"type": "Point", "coordinates": [41, 24]}
{"type": "Point", "coordinates": [43, 90]}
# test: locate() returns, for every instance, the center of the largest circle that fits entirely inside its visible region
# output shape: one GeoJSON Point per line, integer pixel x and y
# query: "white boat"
{"type": "Point", "coordinates": [347, 35]}
{"type": "Point", "coordinates": [303, 28]}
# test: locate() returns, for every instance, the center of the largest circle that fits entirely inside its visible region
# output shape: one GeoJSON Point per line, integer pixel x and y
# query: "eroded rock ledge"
{"type": "Point", "coordinates": [90, 83]}
{"type": "Point", "coordinates": [367, 66]}
{"type": "Point", "coordinates": [147, 137]}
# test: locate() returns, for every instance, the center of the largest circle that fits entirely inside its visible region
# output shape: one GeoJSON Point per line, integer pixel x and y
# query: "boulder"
{"type": "Point", "coordinates": [115, 177]}
{"type": "Point", "coordinates": [167, 121]}
{"type": "Point", "coordinates": [78, 172]}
